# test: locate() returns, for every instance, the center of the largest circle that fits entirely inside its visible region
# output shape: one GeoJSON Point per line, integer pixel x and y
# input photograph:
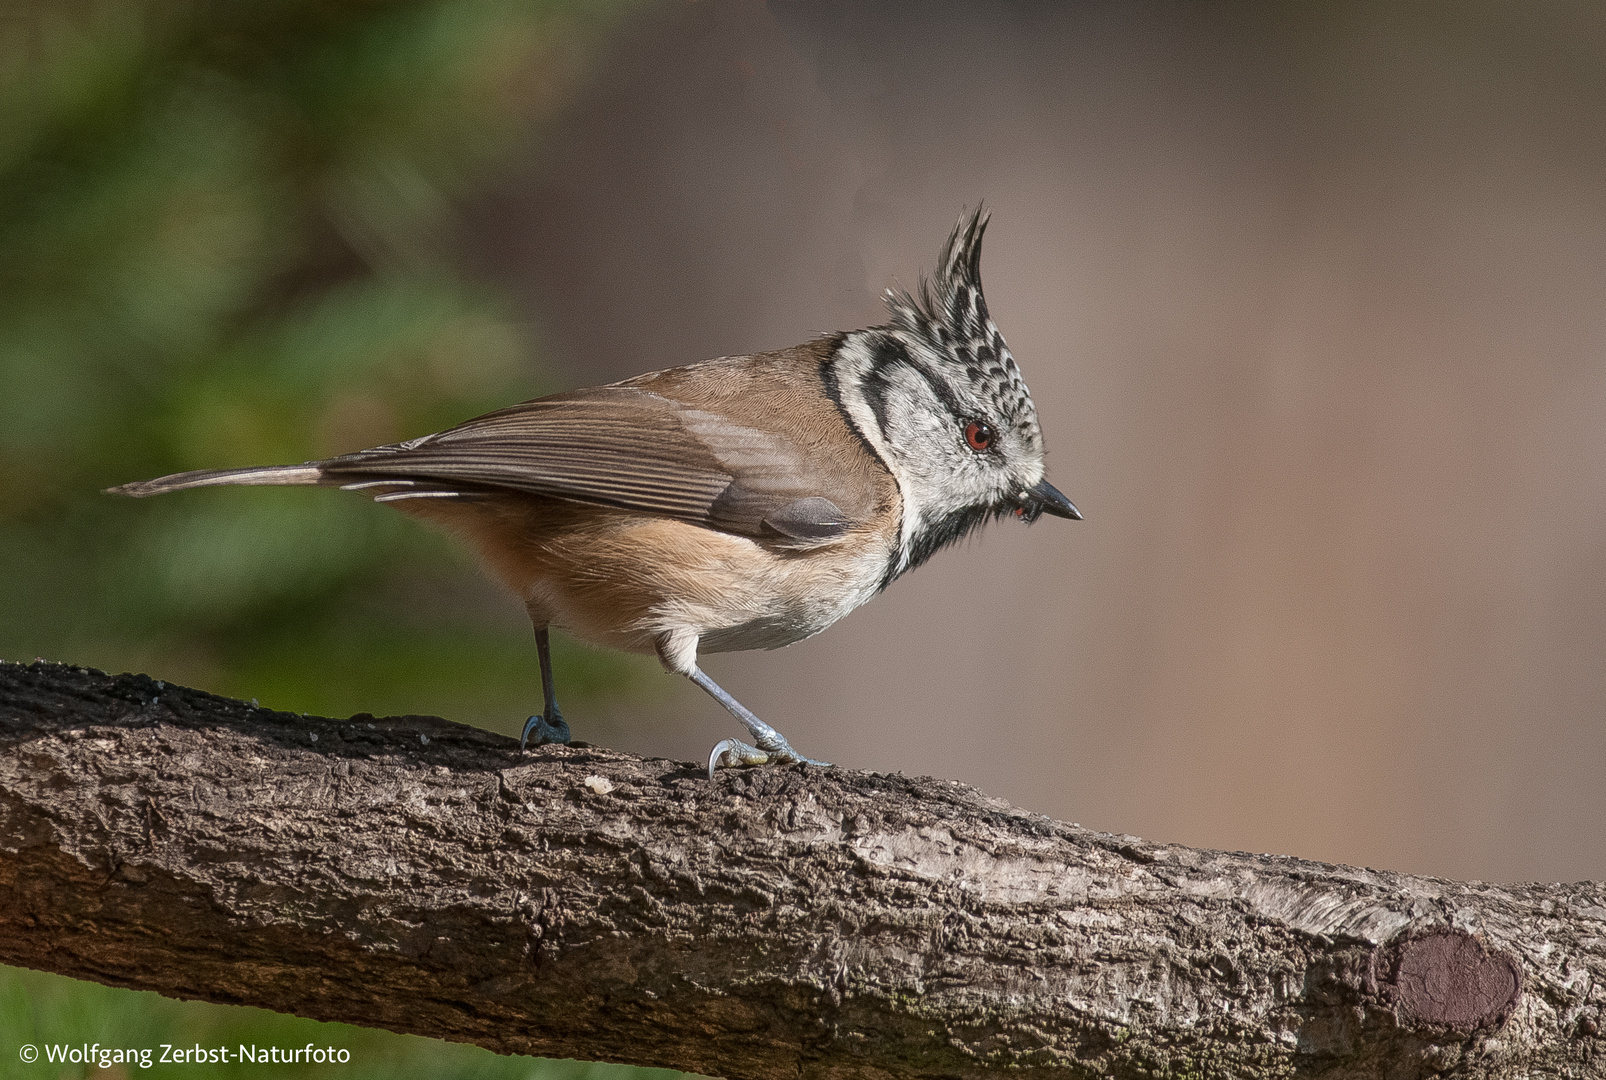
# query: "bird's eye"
{"type": "Point", "coordinates": [979, 435]}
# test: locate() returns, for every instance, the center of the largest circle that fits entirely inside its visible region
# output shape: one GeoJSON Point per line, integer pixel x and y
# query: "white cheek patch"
{"type": "Point", "coordinates": [852, 366]}
{"type": "Point", "coordinates": [936, 475]}
{"type": "Point", "coordinates": [920, 437]}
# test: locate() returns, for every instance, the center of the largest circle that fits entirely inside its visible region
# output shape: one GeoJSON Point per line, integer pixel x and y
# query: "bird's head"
{"type": "Point", "coordinates": [937, 395]}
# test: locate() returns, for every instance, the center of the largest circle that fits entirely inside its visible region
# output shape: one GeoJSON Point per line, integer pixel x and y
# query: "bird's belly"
{"type": "Point", "coordinates": [800, 596]}
{"type": "Point", "coordinates": [774, 629]}
{"type": "Point", "coordinates": [625, 581]}
{"type": "Point", "coordinates": [729, 591]}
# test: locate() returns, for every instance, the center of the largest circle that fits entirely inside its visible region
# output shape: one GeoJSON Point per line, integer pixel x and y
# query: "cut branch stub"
{"type": "Point", "coordinates": [1444, 977]}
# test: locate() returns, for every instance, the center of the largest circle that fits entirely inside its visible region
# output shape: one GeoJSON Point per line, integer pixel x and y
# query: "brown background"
{"type": "Point", "coordinates": [1310, 300]}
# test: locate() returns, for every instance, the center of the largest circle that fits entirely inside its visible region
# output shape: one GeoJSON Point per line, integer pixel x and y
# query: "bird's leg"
{"type": "Point", "coordinates": [677, 651]}
{"type": "Point", "coordinates": [771, 746]}
{"type": "Point", "coordinates": [549, 726]}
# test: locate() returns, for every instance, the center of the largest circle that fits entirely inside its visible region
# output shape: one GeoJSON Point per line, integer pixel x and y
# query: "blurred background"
{"type": "Point", "coordinates": [1310, 298]}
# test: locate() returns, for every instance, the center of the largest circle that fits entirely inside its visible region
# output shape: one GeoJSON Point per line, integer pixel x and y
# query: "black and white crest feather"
{"type": "Point", "coordinates": [950, 316]}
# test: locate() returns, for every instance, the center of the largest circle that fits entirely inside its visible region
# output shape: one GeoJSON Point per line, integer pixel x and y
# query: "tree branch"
{"type": "Point", "coordinates": [417, 875]}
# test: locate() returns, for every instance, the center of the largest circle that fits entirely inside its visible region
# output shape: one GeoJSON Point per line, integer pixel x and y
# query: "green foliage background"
{"type": "Point", "coordinates": [226, 238]}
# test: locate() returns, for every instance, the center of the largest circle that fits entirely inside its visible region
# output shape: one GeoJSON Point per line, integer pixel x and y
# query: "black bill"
{"type": "Point", "coordinates": [1045, 498]}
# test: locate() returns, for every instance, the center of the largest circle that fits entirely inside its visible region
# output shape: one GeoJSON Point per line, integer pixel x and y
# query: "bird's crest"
{"type": "Point", "coordinates": [949, 316]}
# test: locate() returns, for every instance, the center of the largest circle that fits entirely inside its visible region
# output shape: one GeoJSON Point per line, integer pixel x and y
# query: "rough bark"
{"type": "Point", "coordinates": [417, 875]}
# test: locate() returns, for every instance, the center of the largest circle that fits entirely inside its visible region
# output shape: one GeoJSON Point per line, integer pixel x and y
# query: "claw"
{"type": "Point", "coordinates": [732, 752]}
{"type": "Point", "coordinates": [556, 731]}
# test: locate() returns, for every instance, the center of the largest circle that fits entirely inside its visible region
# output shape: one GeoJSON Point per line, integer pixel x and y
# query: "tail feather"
{"type": "Point", "coordinates": [264, 474]}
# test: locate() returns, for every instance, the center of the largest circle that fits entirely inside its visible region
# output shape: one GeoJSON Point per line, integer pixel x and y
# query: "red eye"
{"type": "Point", "coordinates": [979, 434]}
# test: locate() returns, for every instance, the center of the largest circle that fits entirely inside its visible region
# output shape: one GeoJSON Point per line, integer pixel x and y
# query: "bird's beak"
{"type": "Point", "coordinates": [1045, 498]}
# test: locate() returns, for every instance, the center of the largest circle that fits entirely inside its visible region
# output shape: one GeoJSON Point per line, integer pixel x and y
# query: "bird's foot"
{"type": "Point", "coordinates": [539, 730]}
{"type": "Point", "coordinates": [772, 749]}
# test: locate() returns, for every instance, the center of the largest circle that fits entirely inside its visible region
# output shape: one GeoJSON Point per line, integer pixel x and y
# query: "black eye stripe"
{"type": "Point", "coordinates": [941, 389]}
{"type": "Point", "coordinates": [891, 353]}
{"type": "Point", "coordinates": [878, 381]}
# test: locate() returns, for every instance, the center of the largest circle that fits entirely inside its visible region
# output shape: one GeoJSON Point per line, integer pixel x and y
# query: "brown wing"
{"type": "Point", "coordinates": [617, 446]}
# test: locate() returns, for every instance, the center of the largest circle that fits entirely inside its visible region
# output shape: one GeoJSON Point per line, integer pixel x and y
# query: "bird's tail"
{"type": "Point", "coordinates": [264, 474]}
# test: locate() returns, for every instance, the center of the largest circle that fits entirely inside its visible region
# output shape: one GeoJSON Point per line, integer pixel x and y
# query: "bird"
{"type": "Point", "coordinates": [742, 502]}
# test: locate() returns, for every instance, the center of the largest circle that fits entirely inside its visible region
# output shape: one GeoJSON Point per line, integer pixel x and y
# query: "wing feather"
{"type": "Point", "coordinates": [615, 446]}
